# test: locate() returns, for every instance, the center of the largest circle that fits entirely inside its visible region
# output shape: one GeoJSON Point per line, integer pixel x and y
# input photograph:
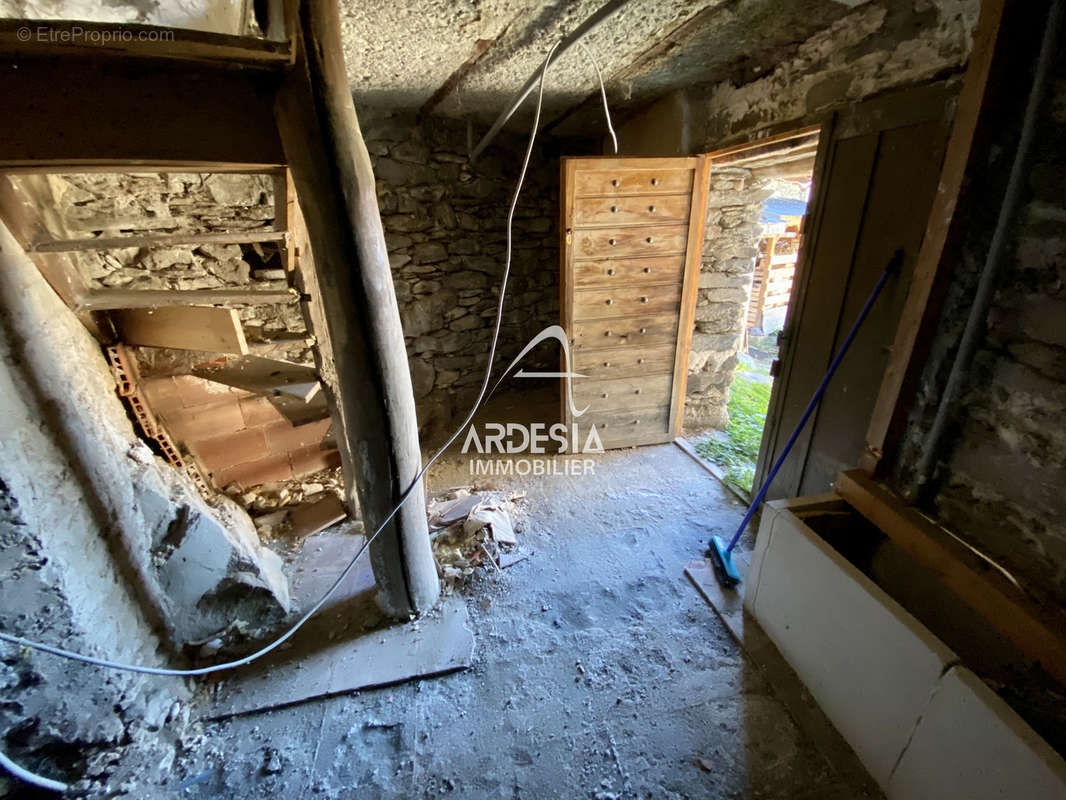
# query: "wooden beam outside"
{"type": "Point", "coordinates": [44, 38]}
{"type": "Point", "coordinates": [799, 170]}
{"type": "Point", "coordinates": [113, 299]}
{"type": "Point", "coordinates": [215, 330]}
{"type": "Point", "coordinates": [765, 143]}
{"type": "Point", "coordinates": [806, 153]}
{"type": "Point", "coordinates": [156, 240]}
{"type": "Point", "coordinates": [932, 257]}
{"type": "Point", "coordinates": [974, 580]}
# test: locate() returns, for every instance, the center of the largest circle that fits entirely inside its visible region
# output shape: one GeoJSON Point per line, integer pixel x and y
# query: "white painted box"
{"type": "Point", "coordinates": [922, 724]}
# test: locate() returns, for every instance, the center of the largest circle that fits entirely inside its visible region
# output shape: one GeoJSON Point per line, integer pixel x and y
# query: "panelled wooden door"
{"type": "Point", "coordinates": [878, 173]}
{"type": "Point", "coordinates": [632, 234]}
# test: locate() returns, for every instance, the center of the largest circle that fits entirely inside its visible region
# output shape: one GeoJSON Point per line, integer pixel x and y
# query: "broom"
{"type": "Point", "coordinates": [722, 553]}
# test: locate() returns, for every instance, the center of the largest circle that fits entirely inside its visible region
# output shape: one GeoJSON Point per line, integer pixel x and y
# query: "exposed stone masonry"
{"type": "Point", "coordinates": [1002, 466]}
{"type": "Point", "coordinates": [83, 205]}
{"type": "Point", "coordinates": [726, 272]}
{"type": "Point", "coordinates": [445, 229]}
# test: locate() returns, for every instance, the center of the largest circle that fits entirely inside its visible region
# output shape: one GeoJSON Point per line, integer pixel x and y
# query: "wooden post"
{"type": "Point", "coordinates": [374, 409]}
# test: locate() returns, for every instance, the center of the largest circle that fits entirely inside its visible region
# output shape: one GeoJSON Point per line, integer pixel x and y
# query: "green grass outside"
{"type": "Point", "coordinates": [738, 450]}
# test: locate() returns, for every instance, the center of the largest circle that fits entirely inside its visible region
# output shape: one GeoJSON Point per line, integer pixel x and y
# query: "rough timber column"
{"type": "Point", "coordinates": [372, 401]}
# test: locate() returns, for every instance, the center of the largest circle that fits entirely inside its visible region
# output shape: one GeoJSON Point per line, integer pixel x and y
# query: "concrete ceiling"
{"type": "Point", "coordinates": [467, 58]}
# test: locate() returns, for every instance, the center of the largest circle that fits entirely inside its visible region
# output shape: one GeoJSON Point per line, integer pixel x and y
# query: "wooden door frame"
{"type": "Point", "coordinates": [801, 277]}
{"type": "Point", "coordinates": [700, 164]}
{"type": "Point", "coordinates": [697, 223]}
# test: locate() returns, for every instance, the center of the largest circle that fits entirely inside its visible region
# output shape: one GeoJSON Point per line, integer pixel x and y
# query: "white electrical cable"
{"type": "Point", "coordinates": [101, 662]}
{"type": "Point", "coordinates": [603, 93]}
{"type": "Point", "coordinates": [31, 777]}
{"type": "Point", "coordinates": [58, 786]}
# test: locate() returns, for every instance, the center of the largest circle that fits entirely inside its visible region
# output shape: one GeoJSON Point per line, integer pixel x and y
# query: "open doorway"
{"type": "Point", "coordinates": [755, 219]}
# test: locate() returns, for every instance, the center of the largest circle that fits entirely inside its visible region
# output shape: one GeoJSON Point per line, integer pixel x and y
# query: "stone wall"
{"type": "Point", "coordinates": [445, 229]}
{"type": "Point", "coordinates": [84, 205]}
{"type": "Point", "coordinates": [726, 272]}
{"type": "Point", "coordinates": [1001, 469]}
{"type": "Point", "coordinates": [881, 45]}
{"type": "Point", "coordinates": [877, 47]}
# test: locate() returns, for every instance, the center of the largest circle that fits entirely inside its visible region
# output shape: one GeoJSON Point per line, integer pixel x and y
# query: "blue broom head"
{"type": "Point", "coordinates": [724, 560]}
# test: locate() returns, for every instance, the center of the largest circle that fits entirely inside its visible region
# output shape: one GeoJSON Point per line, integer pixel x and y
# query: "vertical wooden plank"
{"type": "Point", "coordinates": [901, 192]}
{"type": "Point", "coordinates": [941, 220]}
{"type": "Point", "coordinates": [690, 290]}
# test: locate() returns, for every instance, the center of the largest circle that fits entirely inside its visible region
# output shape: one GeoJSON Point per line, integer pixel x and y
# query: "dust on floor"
{"type": "Point", "coordinates": [599, 672]}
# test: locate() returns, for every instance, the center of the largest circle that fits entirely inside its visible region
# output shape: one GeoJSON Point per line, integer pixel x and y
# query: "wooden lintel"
{"type": "Point", "coordinates": [156, 240]}
{"type": "Point", "coordinates": [975, 581]}
{"type": "Point", "coordinates": [113, 299]}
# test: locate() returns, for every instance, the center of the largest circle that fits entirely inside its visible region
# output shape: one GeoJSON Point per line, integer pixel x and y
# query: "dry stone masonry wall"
{"type": "Point", "coordinates": [1001, 469]}
{"type": "Point", "coordinates": [84, 205]}
{"type": "Point", "coordinates": [444, 222]}
{"type": "Point", "coordinates": [727, 268]}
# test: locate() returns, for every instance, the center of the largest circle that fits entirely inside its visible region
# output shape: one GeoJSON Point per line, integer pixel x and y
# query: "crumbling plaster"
{"type": "Point", "coordinates": [74, 463]}
{"type": "Point", "coordinates": [876, 47]}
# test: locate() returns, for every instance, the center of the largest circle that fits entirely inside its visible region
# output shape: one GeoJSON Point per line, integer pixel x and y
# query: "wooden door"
{"type": "Point", "coordinates": [632, 235]}
{"type": "Point", "coordinates": [876, 179]}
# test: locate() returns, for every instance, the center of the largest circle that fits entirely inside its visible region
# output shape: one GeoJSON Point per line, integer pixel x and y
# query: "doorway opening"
{"type": "Point", "coordinates": [758, 201]}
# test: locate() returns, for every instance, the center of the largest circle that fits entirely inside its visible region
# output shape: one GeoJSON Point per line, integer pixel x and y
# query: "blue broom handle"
{"type": "Point", "coordinates": [893, 266]}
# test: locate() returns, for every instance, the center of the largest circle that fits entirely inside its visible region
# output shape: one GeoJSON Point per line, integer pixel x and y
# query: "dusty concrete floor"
{"type": "Point", "coordinates": [599, 672]}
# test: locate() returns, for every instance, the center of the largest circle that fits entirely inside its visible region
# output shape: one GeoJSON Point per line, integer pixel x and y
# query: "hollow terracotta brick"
{"type": "Point", "coordinates": [161, 394]}
{"type": "Point", "coordinates": [204, 422]}
{"type": "Point", "coordinates": [266, 470]}
{"type": "Point", "coordinates": [230, 449]}
{"type": "Point", "coordinates": [198, 392]}
{"type": "Point", "coordinates": [259, 411]}
{"type": "Point", "coordinates": [287, 438]}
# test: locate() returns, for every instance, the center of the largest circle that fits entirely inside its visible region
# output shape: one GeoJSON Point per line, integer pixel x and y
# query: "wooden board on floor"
{"type": "Point", "coordinates": [436, 645]}
{"type": "Point", "coordinates": [216, 330]}
{"type": "Point", "coordinates": [316, 515]}
{"type": "Point", "coordinates": [264, 376]}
